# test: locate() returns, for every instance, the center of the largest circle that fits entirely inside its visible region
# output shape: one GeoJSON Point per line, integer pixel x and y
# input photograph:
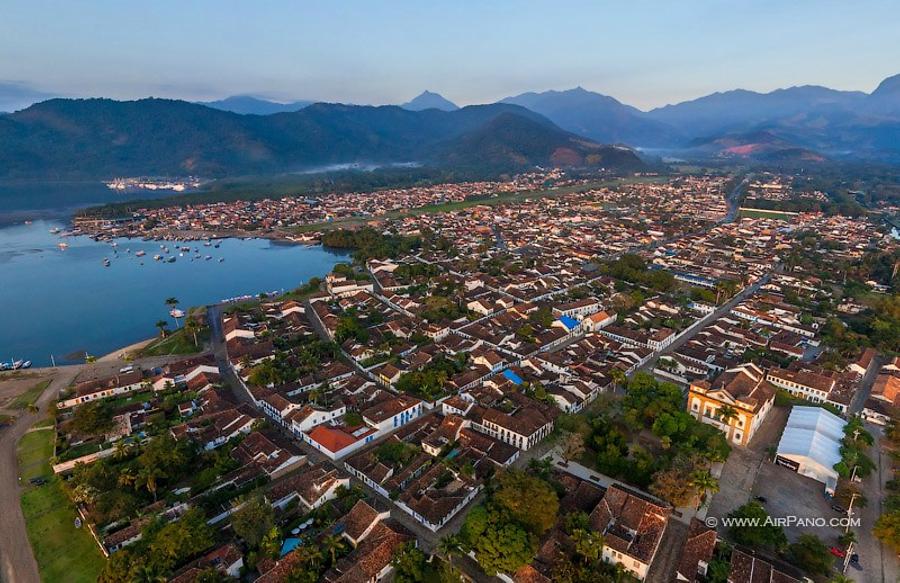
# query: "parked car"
{"type": "Point", "coordinates": [837, 552]}
{"type": "Point", "coordinates": [38, 481]}
{"type": "Point", "coordinates": [838, 509]}
{"type": "Point", "coordinates": [761, 499]}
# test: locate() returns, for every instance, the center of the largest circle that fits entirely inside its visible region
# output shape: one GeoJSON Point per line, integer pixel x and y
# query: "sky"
{"type": "Point", "coordinates": [646, 53]}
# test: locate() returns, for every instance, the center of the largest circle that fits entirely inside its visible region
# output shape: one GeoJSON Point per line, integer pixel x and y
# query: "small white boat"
{"type": "Point", "coordinates": [140, 253]}
{"type": "Point", "coordinates": [63, 245]}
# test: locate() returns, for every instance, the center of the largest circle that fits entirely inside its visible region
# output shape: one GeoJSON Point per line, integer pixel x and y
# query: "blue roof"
{"type": "Point", "coordinates": [516, 379]}
{"type": "Point", "coordinates": [569, 322]}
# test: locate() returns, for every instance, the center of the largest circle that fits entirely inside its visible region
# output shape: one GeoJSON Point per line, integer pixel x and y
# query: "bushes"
{"type": "Point", "coordinates": [368, 243]}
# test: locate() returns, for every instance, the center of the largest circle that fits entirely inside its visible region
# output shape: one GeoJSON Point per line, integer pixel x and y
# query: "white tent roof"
{"type": "Point", "coordinates": [815, 433]}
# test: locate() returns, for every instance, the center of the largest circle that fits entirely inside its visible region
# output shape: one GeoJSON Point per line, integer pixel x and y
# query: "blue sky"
{"type": "Point", "coordinates": [643, 52]}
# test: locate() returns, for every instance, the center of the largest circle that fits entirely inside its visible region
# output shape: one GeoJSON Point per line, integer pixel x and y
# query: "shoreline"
{"type": "Point", "coordinates": [121, 353]}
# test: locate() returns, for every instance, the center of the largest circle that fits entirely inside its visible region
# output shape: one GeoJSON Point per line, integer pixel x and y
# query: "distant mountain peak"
{"type": "Point", "coordinates": [250, 104]}
{"type": "Point", "coordinates": [595, 116]}
{"type": "Point", "coordinates": [430, 100]}
{"type": "Point", "coordinates": [889, 86]}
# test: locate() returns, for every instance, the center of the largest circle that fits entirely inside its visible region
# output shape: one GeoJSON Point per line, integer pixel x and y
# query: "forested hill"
{"type": "Point", "coordinates": [101, 138]}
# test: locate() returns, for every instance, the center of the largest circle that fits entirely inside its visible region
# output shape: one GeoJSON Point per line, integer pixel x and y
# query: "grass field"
{"type": "Point", "coordinates": [178, 342]}
{"type": "Point", "coordinates": [30, 396]}
{"type": "Point", "coordinates": [63, 552]}
{"type": "Point", "coordinates": [765, 214]}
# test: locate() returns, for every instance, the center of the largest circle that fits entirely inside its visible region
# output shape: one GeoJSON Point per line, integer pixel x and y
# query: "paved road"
{"type": "Point", "coordinates": [220, 352]}
{"type": "Point", "coordinates": [879, 564]}
{"type": "Point", "coordinates": [733, 199]}
{"type": "Point", "coordinates": [865, 386]}
{"type": "Point", "coordinates": [708, 319]}
{"type": "Point", "coordinates": [17, 562]}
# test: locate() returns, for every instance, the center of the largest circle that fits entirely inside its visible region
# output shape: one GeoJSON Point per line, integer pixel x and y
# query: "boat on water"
{"type": "Point", "coordinates": [62, 245]}
{"type": "Point", "coordinates": [171, 259]}
{"type": "Point", "coordinates": [157, 257]}
{"type": "Point", "coordinates": [55, 230]}
{"type": "Point", "coordinates": [106, 262]}
{"type": "Point", "coordinates": [15, 365]}
{"type": "Point", "coordinates": [140, 253]}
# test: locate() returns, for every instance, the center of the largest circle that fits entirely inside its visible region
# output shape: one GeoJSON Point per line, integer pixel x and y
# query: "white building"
{"type": "Point", "coordinates": [810, 444]}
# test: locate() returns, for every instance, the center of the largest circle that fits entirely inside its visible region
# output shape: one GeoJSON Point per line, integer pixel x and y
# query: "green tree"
{"type": "Point", "coordinates": [588, 545]}
{"type": "Point", "coordinates": [887, 529]}
{"type": "Point", "coordinates": [332, 544]}
{"type": "Point", "coordinates": [94, 418]}
{"type": "Point", "coordinates": [192, 327]}
{"type": "Point", "coordinates": [529, 500]}
{"type": "Point", "coordinates": [760, 535]}
{"type": "Point", "coordinates": [253, 520]}
{"type": "Point", "coordinates": [410, 564]}
{"type": "Point", "coordinates": [727, 413]}
{"type": "Point", "coordinates": [449, 546]}
{"type": "Point", "coordinates": [810, 554]}
{"type": "Point", "coordinates": [503, 548]}
{"type": "Point", "coordinates": [172, 303]}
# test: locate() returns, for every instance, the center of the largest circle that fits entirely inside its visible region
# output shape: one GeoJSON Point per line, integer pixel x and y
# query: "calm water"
{"type": "Point", "coordinates": [61, 302]}
{"type": "Point", "coordinates": [58, 200]}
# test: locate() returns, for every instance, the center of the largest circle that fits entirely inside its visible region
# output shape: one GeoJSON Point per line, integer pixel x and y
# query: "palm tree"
{"type": "Point", "coordinates": [588, 545]}
{"type": "Point", "coordinates": [147, 574]}
{"type": "Point", "coordinates": [847, 538]}
{"type": "Point", "coordinates": [127, 478]}
{"type": "Point", "coordinates": [727, 413]}
{"type": "Point", "coordinates": [618, 377]}
{"type": "Point", "coordinates": [172, 303]}
{"type": "Point", "coordinates": [162, 325]}
{"type": "Point", "coordinates": [148, 478]}
{"type": "Point", "coordinates": [314, 556]}
{"type": "Point", "coordinates": [192, 327]}
{"type": "Point", "coordinates": [449, 546]}
{"type": "Point", "coordinates": [332, 544]}
{"type": "Point", "coordinates": [121, 451]}
{"type": "Point", "coordinates": [703, 481]}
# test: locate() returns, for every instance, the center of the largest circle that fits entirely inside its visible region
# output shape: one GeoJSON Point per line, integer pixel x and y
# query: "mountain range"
{"type": "Point", "coordinates": [806, 123]}
{"type": "Point", "coordinates": [61, 138]}
{"type": "Point", "coordinates": [97, 138]}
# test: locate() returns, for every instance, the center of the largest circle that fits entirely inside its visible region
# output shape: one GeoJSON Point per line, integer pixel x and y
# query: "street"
{"type": "Point", "coordinates": [879, 564]}
{"type": "Point", "coordinates": [17, 562]}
